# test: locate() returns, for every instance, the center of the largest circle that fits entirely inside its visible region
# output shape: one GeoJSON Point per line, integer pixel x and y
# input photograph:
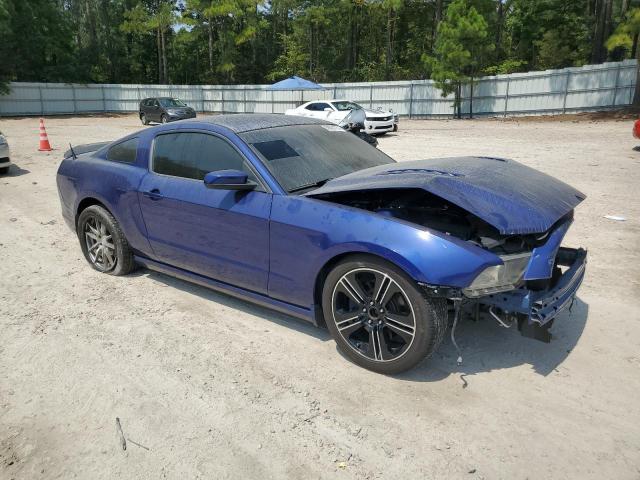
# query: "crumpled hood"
{"type": "Point", "coordinates": [513, 198]}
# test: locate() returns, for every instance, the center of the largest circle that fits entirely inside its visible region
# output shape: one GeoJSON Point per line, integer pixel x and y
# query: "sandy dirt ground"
{"type": "Point", "coordinates": [207, 386]}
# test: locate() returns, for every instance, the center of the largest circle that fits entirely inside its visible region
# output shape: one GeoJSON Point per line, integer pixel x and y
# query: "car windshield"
{"type": "Point", "coordinates": [342, 106]}
{"type": "Point", "coordinates": [304, 156]}
{"type": "Point", "coordinates": [171, 102]}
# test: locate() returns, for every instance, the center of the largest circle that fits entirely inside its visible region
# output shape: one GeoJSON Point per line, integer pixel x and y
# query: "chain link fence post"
{"type": "Point", "coordinates": [615, 88]}
{"type": "Point", "coordinates": [566, 91]}
{"type": "Point", "coordinates": [506, 97]}
{"type": "Point", "coordinates": [73, 95]}
{"type": "Point", "coordinates": [411, 101]}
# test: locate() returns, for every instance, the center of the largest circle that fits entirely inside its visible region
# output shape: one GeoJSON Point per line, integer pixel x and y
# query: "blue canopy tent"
{"type": "Point", "coordinates": [295, 83]}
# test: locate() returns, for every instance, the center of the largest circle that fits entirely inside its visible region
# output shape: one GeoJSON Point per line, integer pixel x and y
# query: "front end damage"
{"type": "Point", "coordinates": [535, 280]}
{"type": "Point", "coordinates": [528, 305]}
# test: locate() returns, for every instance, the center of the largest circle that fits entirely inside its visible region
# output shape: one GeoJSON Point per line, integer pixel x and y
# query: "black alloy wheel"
{"type": "Point", "coordinates": [379, 317]}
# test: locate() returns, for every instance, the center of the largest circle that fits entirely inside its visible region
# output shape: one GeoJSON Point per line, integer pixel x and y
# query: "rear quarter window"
{"type": "Point", "coordinates": [124, 152]}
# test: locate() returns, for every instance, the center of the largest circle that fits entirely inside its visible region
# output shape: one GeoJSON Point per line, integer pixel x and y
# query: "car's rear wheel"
{"type": "Point", "coordinates": [379, 317]}
{"type": "Point", "coordinates": [143, 119]}
{"type": "Point", "coordinates": [164, 118]}
{"type": "Point", "coordinates": [103, 243]}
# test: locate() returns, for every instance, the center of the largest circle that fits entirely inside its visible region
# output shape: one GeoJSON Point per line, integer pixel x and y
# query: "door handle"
{"type": "Point", "coordinates": [153, 194]}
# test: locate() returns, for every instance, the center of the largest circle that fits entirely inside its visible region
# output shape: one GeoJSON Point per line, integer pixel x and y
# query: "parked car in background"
{"type": "Point", "coordinates": [164, 110]}
{"type": "Point", "coordinates": [377, 122]}
{"type": "Point", "coordinates": [299, 215]}
{"type": "Point", "coordinates": [5, 160]}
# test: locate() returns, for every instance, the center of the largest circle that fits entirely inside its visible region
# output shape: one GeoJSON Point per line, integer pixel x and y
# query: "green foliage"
{"type": "Point", "coordinates": [550, 33]}
{"type": "Point", "coordinates": [506, 67]}
{"type": "Point", "coordinates": [258, 41]}
{"type": "Point", "coordinates": [627, 32]}
{"type": "Point", "coordinates": [461, 50]}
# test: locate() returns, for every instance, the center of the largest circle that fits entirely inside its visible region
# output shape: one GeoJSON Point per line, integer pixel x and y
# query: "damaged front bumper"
{"type": "Point", "coordinates": [534, 310]}
{"type": "Point", "coordinates": [540, 307]}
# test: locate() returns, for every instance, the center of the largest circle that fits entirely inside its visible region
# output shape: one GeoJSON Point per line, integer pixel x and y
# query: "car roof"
{"type": "Point", "coordinates": [244, 122]}
{"type": "Point", "coordinates": [331, 100]}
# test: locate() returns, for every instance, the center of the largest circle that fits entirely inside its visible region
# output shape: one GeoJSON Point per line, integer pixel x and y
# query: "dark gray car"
{"type": "Point", "coordinates": [164, 109]}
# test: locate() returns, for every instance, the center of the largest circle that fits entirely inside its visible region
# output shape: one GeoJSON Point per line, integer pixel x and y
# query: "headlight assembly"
{"type": "Point", "coordinates": [500, 277]}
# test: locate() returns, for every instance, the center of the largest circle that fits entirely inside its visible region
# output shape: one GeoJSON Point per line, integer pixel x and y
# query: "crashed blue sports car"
{"type": "Point", "coordinates": [298, 215]}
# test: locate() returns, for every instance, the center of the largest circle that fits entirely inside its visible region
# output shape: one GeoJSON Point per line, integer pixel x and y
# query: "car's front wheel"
{"type": "Point", "coordinates": [379, 317]}
{"type": "Point", "coordinates": [103, 242]}
{"type": "Point", "coordinates": [143, 119]}
{"type": "Point", "coordinates": [164, 118]}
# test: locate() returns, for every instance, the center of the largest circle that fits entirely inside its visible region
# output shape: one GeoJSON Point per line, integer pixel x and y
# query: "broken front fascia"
{"type": "Point", "coordinates": [539, 306]}
{"type": "Point", "coordinates": [517, 268]}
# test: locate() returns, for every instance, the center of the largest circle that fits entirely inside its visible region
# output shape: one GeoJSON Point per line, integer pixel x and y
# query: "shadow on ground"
{"type": "Point", "coordinates": [238, 304]}
{"type": "Point", "coordinates": [485, 345]}
{"type": "Point", "coordinates": [15, 171]}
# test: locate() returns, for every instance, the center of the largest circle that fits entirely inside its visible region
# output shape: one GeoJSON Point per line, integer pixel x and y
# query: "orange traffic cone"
{"type": "Point", "coordinates": [44, 140]}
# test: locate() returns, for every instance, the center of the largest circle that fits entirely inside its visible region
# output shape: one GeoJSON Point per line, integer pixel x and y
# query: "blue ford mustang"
{"type": "Point", "coordinates": [301, 216]}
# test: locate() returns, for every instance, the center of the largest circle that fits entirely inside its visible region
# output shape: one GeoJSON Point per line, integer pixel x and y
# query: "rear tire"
{"type": "Point", "coordinates": [103, 243]}
{"type": "Point", "coordinates": [379, 317]}
{"type": "Point", "coordinates": [143, 119]}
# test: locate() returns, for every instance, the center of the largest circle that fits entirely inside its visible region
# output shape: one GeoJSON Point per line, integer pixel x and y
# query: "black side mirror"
{"type": "Point", "coordinates": [229, 180]}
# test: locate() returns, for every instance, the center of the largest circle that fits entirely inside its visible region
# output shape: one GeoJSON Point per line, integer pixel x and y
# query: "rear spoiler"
{"type": "Point", "coordinates": [86, 148]}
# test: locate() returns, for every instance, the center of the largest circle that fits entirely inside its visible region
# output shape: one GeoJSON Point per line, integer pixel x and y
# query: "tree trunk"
{"type": "Point", "coordinates": [602, 29]}
{"type": "Point", "coordinates": [311, 50]}
{"type": "Point", "coordinates": [164, 58]}
{"type": "Point", "coordinates": [437, 18]}
{"type": "Point", "coordinates": [606, 30]}
{"type": "Point", "coordinates": [596, 51]}
{"type": "Point", "coordinates": [499, 23]}
{"type": "Point", "coordinates": [352, 47]}
{"type": "Point", "coordinates": [624, 8]}
{"type": "Point", "coordinates": [390, 34]}
{"type": "Point", "coordinates": [457, 103]}
{"type": "Point", "coordinates": [210, 46]}
{"type": "Point", "coordinates": [159, 48]}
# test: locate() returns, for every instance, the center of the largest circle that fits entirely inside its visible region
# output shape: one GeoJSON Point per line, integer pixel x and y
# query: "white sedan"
{"type": "Point", "coordinates": [5, 162]}
{"type": "Point", "coordinates": [377, 122]}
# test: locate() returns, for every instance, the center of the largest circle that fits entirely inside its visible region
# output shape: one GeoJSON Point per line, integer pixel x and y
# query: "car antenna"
{"type": "Point", "coordinates": [75, 157]}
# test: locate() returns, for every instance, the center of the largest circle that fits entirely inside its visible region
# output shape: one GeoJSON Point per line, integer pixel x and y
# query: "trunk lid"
{"type": "Point", "coordinates": [512, 197]}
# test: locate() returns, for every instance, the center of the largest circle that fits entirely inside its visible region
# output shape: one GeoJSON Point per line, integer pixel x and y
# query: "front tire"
{"type": "Point", "coordinates": [379, 317]}
{"type": "Point", "coordinates": [144, 120]}
{"type": "Point", "coordinates": [164, 119]}
{"type": "Point", "coordinates": [103, 243]}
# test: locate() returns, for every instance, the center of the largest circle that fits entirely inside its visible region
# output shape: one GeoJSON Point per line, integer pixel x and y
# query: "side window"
{"type": "Point", "coordinates": [193, 155]}
{"type": "Point", "coordinates": [124, 152]}
{"type": "Point", "coordinates": [318, 107]}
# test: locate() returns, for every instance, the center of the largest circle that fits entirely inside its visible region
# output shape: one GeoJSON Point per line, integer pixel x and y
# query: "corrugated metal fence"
{"type": "Point", "coordinates": [592, 87]}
